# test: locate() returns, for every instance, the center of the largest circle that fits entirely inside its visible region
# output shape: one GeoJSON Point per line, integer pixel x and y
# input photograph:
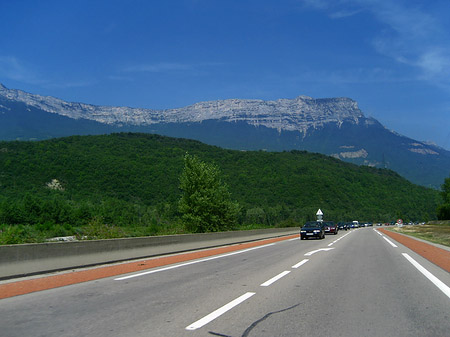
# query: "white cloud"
{"type": "Point", "coordinates": [158, 67]}
{"type": "Point", "coordinates": [13, 69]}
{"type": "Point", "coordinates": [317, 4]}
{"type": "Point", "coordinates": [411, 35]}
{"type": "Point", "coordinates": [194, 69]}
{"type": "Point", "coordinates": [71, 84]}
{"type": "Point", "coordinates": [435, 61]}
{"type": "Point", "coordinates": [344, 14]}
{"type": "Point", "coordinates": [352, 76]}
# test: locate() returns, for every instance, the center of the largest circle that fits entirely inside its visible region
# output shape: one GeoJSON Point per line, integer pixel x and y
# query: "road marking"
{"type": "Point", "coordinates": [333, 242]}
{"type": "Point", "coordinates": [212, 316]}
{"type": "Point", "coordinates": [189, 263]}
{"type": "Point", "coordinates": [377, 231]}
{"type": "Point", "coordinates": [390, 242]}
{"type": "Point", "coordinates": [318, 250]}
{"type": "Point", "coordinates": [274, 279]}
{"type": "Point", "coordinates": [294, 239]}
{"type": "Point", "coordinates": [340, 238]}
{"type": "Point", "coordinates": [301, 263]}
{"type": "Point", "coordinates": [438, 283]}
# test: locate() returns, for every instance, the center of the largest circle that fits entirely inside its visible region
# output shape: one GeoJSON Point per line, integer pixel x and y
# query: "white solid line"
{"type": "Point", "coordinates": [208, 318]}
{"type": "Point", "coordinates": [377, 231]}
{"type": "Point", "coordinates": [330, 244]}
{"type": "Point", "coordinates": [438, 283]}
{"type": "Point", "coordinates": [317, 250]}
{"type": "Point", "coordinates": [294, 239]}
{"type": "Point", "coordinates": [276, 278]}
{"type": "Point", "coordinates": [189, 263]}
{"type": "Point", "coordinates": [301, 263]}
{"type": "Point", "coordinates": [390, 242]}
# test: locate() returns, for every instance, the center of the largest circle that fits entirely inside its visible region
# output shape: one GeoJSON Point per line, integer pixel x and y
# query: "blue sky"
{"type": "Point", "coordinates": [391, 56]}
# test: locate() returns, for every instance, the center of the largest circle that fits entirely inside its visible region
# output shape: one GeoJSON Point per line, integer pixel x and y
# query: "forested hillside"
{"type": "Point", "coordinates": [131, 179]}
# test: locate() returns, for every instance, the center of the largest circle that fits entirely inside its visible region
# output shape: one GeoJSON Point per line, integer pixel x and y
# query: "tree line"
{"type": "Point", "coordinates": [133, 183]}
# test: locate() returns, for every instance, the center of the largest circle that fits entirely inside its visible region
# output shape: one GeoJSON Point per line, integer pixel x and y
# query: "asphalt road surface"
{"type": "Point", "coordinates": [356, 283]}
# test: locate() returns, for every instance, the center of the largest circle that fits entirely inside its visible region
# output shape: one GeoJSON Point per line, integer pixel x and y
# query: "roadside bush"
{"type": "Point", "coordinates": [255, 216]}
{"type": "Point", "coordinates": [443, 212]}
{"type": "Point", "coordinates": [16, 234]}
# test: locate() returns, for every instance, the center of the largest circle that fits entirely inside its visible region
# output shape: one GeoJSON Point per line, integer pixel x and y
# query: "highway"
{"type": "Point", "coordinates": [356, 283]}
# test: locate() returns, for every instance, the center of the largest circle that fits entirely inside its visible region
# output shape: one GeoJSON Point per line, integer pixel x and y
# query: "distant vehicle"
{"type": "Point", "coordinates": [343, 226]}
{"type": "Point", "coordinates": [314, 229]}
{"type": "Point", "coordinates": [355, 224]}
{"type": "Point", "coordinates": [330, 227]}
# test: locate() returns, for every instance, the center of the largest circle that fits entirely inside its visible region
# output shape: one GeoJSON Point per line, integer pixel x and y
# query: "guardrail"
{"type": "Point", "coordinates": [29, 259]}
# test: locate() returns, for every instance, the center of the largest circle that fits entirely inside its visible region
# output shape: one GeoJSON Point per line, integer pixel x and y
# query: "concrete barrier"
{"type": "Point", "coordinates": [29, 259]}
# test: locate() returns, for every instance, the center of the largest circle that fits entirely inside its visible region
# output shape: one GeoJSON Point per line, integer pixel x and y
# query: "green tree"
{"type": "Point", "coordinates": [443, 210]}
{"type": "Point", "coordinates": [205, 204]}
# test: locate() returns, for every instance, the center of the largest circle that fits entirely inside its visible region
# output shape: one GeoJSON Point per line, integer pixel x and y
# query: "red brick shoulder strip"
{"type": "Point", "coordinates": [438, 256]}
{"type": "Point", "coordinates": [55, 281]}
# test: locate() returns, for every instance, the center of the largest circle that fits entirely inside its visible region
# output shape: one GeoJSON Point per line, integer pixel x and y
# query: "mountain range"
{"type": "Point", "coordinates": [331, 126]}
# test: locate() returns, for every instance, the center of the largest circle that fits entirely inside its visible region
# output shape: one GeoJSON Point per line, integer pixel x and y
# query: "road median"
{"type": "Point", "coordinates": [31, 259]}
{"type": "Point", "coordinates": [15, 288]}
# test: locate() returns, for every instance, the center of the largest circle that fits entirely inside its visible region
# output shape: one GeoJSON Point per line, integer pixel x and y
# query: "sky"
{"type": "Point", "coordinates": [391, 56]}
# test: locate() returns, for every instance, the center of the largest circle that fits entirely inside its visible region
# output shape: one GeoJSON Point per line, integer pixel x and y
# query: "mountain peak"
{"type": "Point", "coordinates": [298, 114]}
{"type": "Point", "coordinates": [333, 126]}
{"type": "Point", "coordinates": [303, 98]}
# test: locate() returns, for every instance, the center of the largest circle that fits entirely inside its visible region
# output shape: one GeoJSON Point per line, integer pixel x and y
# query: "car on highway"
{"type": "Point", "coordinates": [330, 227]}
{"type": "Point", "coordinates": [312, 229]}
{"type": "Point", "coordinates": [344, 225]}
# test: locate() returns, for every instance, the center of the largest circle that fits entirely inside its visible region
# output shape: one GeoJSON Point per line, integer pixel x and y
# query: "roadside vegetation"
{"type": "Point", "coordinates": [434, 231]}
{"type": "Point", "coordinates": [129, 184]}
{"type": "Point", "coordinates": [443, 211]}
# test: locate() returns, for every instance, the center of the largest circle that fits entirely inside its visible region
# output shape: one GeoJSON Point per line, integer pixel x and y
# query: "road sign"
{"type": "Point", "coordinates": [319, 215]}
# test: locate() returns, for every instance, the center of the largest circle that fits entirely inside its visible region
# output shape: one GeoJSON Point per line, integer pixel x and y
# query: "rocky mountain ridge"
{"type": "Point", "coordinates": [298, 114]}
{"type": "Point", "coordinates": [331, 126]}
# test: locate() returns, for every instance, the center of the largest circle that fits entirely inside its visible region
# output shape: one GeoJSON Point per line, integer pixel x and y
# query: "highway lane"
{"type": "Point", "coordinates": [359, 285]}
{"type": "Point", "coordinates": [364, 288]}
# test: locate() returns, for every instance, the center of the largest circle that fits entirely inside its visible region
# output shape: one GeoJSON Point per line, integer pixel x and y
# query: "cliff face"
{"type": "Point", "coordinates": [297, 114]}
{"type": "Point", "coordinates": [332, 126]}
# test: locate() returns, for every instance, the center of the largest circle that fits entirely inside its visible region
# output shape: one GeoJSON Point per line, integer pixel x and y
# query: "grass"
{"type": "Point", "coordinates": [434, 231]}
{"type": "Point", "coordinates": [96, 230]}
{"type": "Point", "coordinates": [19, 234]}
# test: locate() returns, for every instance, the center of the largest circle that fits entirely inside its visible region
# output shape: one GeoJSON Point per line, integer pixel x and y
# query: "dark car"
{"type": "Point", "coordinates": [343, 225]}
{"type": "Point", "coordinates": [330, 227]}
{"type": "Point", "coordinates": [312, 229]}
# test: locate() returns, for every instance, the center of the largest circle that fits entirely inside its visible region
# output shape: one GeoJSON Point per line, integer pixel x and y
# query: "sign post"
{"type": "Point", "coordinates": [319, 215]}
